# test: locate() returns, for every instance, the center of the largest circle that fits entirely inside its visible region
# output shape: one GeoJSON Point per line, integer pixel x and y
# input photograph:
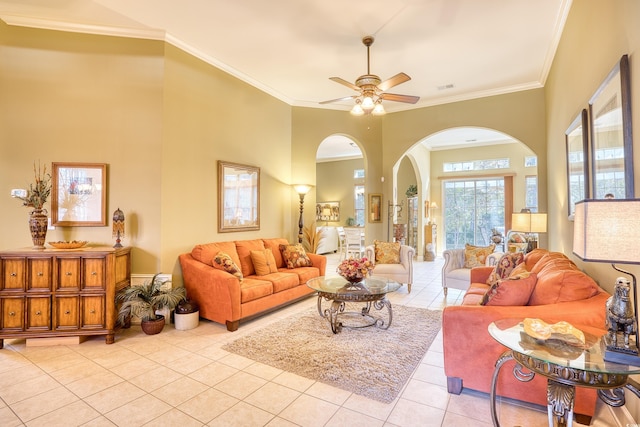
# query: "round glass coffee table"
{"type": "Point", "coordinates": [368, 294]}
{"type": "Point", "coordinates": [564, 366]}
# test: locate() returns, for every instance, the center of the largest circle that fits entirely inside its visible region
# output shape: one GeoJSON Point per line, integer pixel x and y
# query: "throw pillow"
{"type": "Point", "coordinates": [264, 262]}
{"type": "Point", "coordinates": [224, 262]}
{"type": "Point", "coordinates": [505, 266]}
{"type": "Point", "coordinates": [510, 292]}
{"type": "Point", "coordinates": [295, 256]}
{"type": "Point", "coordinates": [387, 252]}
{"type": "Point", "coordinates": [476, 256]}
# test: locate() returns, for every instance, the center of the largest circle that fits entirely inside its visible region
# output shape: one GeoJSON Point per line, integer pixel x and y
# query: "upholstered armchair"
{"type": "Point", "coordinates": [455, 274]}
{"type": "Point", "coordinates": [401, 273]}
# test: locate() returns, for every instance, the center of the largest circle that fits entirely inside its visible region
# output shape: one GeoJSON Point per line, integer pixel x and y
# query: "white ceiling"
{"type": "Point", "coordinates": [290, 48]}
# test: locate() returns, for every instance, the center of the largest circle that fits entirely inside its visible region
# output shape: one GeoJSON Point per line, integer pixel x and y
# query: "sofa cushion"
{"type": "Point", "coordinates": [304, 273]}
{"type": "Point", "coordinates": [510, 291]}
{"type": "Point", "coordinates": [223, 261]}
{"type": "Point", "coordinates": [244, 248]}
{"type": "Point", "coordinates": [295, 256]}
{"type": "Point", "coordinates": [554, 286]}
{"type": "Point", "coordinates": [274, 245]}
{"type": "Point", "coordinates": [281, 280]}
{"type": "Point", "coordinates": [547, 258]}
{"type": "Point", "coordinates": [387, 252]}
{"type": "Point", "coordinates": [263, 262]}
{"type": "Point", "coordinates": [505, 266]}
{"type": "Point", "coordinates": [476, 256]}
{"type": "Point", "coordinates": [206, 253]}
{"type": "Point", "coordinates": [253, 288]}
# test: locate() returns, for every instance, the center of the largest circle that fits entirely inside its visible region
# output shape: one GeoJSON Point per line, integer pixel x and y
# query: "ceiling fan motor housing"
{"type": "Point", "coordinates": [368, 80]}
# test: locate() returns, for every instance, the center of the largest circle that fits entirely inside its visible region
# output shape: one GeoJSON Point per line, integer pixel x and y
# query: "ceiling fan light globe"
{"type": "Point", "coordinates": [378, 110]}
{"type": "Point", "coordinates": [357, 110]}
{"type": "Point", "coordinates": [367, 103]}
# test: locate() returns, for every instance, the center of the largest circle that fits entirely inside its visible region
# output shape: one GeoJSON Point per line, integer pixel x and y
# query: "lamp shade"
{"type": "Point", "coordinates": [302, 188]}
{"type": "Point", "coordinates": [528, 222]}
{"type": "Point", "coordinates": [607, 231]}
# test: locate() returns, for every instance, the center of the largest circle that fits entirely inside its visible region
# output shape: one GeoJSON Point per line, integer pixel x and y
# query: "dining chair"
{"type": "Point", "coordinates": [342, 250]}
{"type": "Point", "coordinates": [353, 242]}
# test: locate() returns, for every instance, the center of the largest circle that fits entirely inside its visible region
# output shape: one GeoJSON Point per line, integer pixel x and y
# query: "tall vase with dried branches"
{"type": "Point", "coordinates": [36, 196]}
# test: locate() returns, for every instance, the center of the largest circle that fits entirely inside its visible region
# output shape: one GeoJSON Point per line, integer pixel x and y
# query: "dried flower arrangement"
{"type": "Point", "coordinates": [354, 269]}
{"type": "Point", "coordinates": [38, 192]}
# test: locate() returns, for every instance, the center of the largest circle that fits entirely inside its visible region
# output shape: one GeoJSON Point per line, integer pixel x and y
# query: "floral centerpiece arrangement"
{"type": "Point", "coordinates": [354, 270]}
{"type": "Point", "coordinates": [39, 191]}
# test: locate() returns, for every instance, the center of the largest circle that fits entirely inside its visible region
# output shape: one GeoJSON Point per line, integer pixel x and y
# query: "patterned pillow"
{"type": "Point", "coordinates": [294, 256]}
{"type": "Point", "coordinates": [224, 262]}
{"type": "Point", "coordinates": [476, 256]}
{"type": "Point", "coordinates": [510, 292]}
{"type": "Point", "coordinates": [264, 262]}
{"type": "Point", "coordinates": [505, 266]}
{"type": "Point", "coordinates": [387, 252]}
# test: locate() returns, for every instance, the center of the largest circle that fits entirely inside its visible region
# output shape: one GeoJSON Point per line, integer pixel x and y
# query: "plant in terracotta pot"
{"type": "Point", "coordinates": [144, 300]}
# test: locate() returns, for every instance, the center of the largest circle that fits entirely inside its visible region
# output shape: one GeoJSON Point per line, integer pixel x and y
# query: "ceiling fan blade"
{"type": "Point", "coordinates": [339, 99]}
{"type": "Point", "coordinates": [344, 82]}
{"type": "Point", "coordinates": [409, 99]}
{"type": "Point", "coordinates": [394, 81]}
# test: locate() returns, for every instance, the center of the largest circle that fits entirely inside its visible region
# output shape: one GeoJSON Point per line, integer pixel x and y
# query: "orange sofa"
{"type": "Point", "coordinates": [226, 299]}
{"type": "Point", "coordinates": [560, 292]}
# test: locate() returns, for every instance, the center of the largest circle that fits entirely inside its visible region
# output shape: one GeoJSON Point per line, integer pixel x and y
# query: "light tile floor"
{"type": "Point", "coordinates": [183, 378]}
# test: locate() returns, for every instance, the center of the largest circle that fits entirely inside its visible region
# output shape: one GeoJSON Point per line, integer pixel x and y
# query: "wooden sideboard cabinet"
{"type": "Point", "coordinates": [61, 292]}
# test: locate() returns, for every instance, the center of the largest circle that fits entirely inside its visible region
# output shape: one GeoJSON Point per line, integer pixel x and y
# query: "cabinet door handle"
{"type": "Point", "coordinates": [92, 312]}
{"type": "Point", "coordinates": [67, 312]}
{"type": "Point", "coordinates": [69, 273]}
{"type": "Point", "coordinates": [13, 274]}
{"type": "Point", "coordinates": [40, 273]}
{"type": "Point", "coordinates": [38, 313]}
{"type": "Point", "coordinates": [93, 273]}
{"type": "Point", "coordinates": [12, 313]}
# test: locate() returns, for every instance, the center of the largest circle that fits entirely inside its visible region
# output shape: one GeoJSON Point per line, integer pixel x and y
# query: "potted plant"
{"type": "Point", "coordinates": [144, 300]}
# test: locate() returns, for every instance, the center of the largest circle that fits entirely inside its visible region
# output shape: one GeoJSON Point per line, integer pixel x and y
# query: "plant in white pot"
{"type": "Point", "coordinates": [144, 300]}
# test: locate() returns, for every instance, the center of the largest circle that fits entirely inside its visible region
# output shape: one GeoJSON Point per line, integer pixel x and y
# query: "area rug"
{"type": "Point", "coordinates": [371, 362]}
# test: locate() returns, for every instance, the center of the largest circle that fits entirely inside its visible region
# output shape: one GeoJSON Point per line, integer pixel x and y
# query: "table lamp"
{"type": "Point", "coordinates": [607, 231]}
{"type": "Point", "coordinates": [530, 223]}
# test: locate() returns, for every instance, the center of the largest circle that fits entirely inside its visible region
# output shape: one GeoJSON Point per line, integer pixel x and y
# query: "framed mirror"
{"type": "Point", "coordinates": [611, 135]}
{"type": "Point", "coordinates": [79, 194]}
{"type": "Point", "coordinates": [238, 197]}
{"type": "Point", "coordinates": [577, 141]}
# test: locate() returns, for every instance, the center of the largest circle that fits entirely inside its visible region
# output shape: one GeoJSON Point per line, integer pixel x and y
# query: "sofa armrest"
{"type": "Point", "coordinates": [492, 259]}
{"type": "Point", "coordinates": [216, 292]}
{"type": "Point", "coordinates": [319, 261]}
{"type": "Point", "coordinates": [480, 274]}
{"type": "Point", "coordinates": [406, 256]}
{"type": "Point", "coordinates": [453, 260]}
{"type": "Point", "coordinates": [370, 254]}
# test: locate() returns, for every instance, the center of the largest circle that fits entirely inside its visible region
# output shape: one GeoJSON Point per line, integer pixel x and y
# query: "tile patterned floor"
{"type": "Point", "coordinates": [183, 378]}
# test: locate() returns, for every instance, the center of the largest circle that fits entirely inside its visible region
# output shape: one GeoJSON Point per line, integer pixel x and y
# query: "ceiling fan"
{"type": "Point", "coordinates": [371, 90]}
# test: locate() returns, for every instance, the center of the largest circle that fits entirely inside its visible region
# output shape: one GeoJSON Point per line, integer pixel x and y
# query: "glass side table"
{"type": "Point", "coordinates": [564, 366]}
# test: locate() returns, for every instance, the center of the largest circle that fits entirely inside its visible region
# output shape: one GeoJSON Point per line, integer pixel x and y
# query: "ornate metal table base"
{"type": "Point", "coordinates": [365, 316]}
{"type": "Point", "coordinates": [561, 382]}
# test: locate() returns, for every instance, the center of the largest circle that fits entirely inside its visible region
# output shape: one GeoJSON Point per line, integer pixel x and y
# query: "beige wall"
{"type": "Point", "coordinates": [335, 183]}
{"type": "Point", "coordinates": [406, 176]}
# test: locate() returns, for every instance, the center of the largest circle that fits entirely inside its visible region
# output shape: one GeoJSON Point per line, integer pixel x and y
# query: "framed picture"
{"type": "Point", "coordinates": [375, 207]}
{"type": "Point", "coordinates": [238, 197]}
{"type": "Point", "coordinates": [611, 136]}
{"type": "Point", "coordinates": [79, 194]}
{"type": "Point", "coordinates": [577, 137]}
{"type": "Point", "coordinates": [328, 211]}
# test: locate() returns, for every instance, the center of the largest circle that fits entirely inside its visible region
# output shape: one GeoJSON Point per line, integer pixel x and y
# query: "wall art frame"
{"type": "Point", "coordinates": [611, 135]}
{"type": "Point", "coordinates": [328, 211]}
{"type": "Point", "coordinates": [79, 194]}
{"type": "Point", "coordinates": [577, 149]}
{"type": "Point", "coordinates": [238, 197]}
{"type": "Point", "coordinates": [375, 208]}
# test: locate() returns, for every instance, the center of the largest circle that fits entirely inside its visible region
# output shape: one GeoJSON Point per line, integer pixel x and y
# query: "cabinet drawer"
{"type": "Point", "coordinates": [38, 313]}
{"type": "Point", "coordinates": [69, 274]}
{"type": "Point", "coordinates": [92, 309]}
{"type": "Point", "coordinates": [66, 313]}
{"type": "Point", "coordinates": [13, 271]}
{"type": "Point", "coordinates": [94, 273]}
{"type": "Point", "coordinates": [40, 273]}
{"type": "Point", "coordinates": [12, 314]}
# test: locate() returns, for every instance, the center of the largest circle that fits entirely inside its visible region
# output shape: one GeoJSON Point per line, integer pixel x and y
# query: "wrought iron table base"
{"type": "Point", "coordinates": [561, 382]}
{"type": "Point", "coordinates": [337, 311]}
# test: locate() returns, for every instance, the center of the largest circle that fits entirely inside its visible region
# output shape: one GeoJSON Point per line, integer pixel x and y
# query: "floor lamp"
{"type": "Point", "coordinates": [607, 231]}
{"type": "Point", "coordinates": [302, 190]}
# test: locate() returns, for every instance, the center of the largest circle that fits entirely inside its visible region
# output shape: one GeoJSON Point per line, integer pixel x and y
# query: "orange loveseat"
{"type": "Point", "coordinates": [226, 299]}
{"type": "Point", "coordinates": [560, 292]}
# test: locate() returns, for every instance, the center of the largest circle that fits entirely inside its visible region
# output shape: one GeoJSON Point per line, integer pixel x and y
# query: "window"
{"type": "Point", "coordinates": [476, 165]}
{"type": "Point", "coordinates": [358, 174]}
{"type": "Point", "coordinates": [531, 192]}
{"type": "Point", "coordinates": [359, 204]}
{"type": "Point", "coordinates": [472, 208]}
{"type": "Point", "coordinates": [530, 161]}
